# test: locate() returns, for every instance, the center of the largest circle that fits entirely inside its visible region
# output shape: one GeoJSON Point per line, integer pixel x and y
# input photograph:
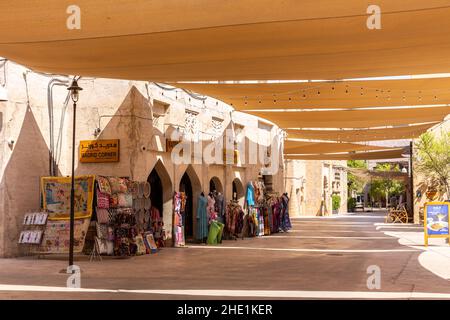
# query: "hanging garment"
{"type": "Point", "coordinates": [286, 221]}
{"type": "Point", "coordinates": [219, 204]}
{"type": "Point", "coordinates": [260, 222]}
{"type": "Point", "coordinates": [202, 218]}
{"type": "Point", "coordinates": [250, 198]}
{"type": "Point", "coordinates": [179, 202]}
{"type": "Point", "coordinates": [265, 212]}
{"type": "Point", "coordinates": [212, 215]}
{"type": "Point", "coordinates": [215, 233]}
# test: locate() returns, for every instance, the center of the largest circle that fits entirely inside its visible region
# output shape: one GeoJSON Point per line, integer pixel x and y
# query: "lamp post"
{"type": "Point", "coordinates": [74, 94]}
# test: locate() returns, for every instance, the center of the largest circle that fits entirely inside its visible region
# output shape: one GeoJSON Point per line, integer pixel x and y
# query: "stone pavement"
{"type": "Point", "coordinates": [322, 257]}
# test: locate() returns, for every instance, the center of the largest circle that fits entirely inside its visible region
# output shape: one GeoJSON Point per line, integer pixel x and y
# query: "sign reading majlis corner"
{"type": "Point", "coordinates": [97, 151]}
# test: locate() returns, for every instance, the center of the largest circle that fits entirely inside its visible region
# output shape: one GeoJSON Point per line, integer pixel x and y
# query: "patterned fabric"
{"type": "Point", "coordinates": [102, 230]}
{"type": "Point", "coordinates": [102, 215]}
{"type": "Point", "coordinates": [114, 183]}
{"type": "Point", "coordinates": [212, 214]}
{"type": "Point", "coordinates": [102, 200]}
{"type": "Point", "coordinates": [103, 185]}
{"type": "Point", "coordinates": [179, 205]}
{"type": "Point", "coordinates": [125, 200]}
{"type": "Point", "coordinates": [260, 223]}
{"type": "Point", "coordinates": [265, 213]}
{"type": "Point", "coordinates": [114, 201]}
{"type": "Point", "coordinates": [123, 185]}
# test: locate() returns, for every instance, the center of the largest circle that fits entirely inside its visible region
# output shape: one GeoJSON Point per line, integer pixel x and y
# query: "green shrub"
{"type": "Point", "coordinates": [336, 201]}
{"type": "Point", "coordinates": [351, 204]}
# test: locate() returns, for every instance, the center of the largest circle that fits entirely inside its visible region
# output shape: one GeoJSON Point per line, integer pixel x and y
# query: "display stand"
{"type": "Point", "coordinates": [95, 253]}
{"type": "Point", "coordinates": [30, 238]}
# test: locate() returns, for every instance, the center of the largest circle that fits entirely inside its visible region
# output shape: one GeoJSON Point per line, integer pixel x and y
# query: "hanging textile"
{"type": "Point", "coordinates": [234, 220]}
{"type": "Point", "coordinates": [219, 205]}
{"type": "Point", "coordinates": [250, 198]}
{"type": "Point", "coordinates": [215, 233]}
{"type": "Point", "coordinates": [285, 220]}
{"type": "Point", "coordinates": [265, 214]}
{"type": "Point", "coordinates": [212, 214]}
{"type": "Point", "coordinates": [179, 203]}
{"type": "Point", "coordinates": [260, 216]}
{"type": "Point", "coordinates": [202, 218]}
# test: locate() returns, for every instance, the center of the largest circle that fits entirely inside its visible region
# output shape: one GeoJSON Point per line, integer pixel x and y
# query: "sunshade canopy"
{"type": "Point", "coordinates": [305, 147]}
{"type": "Point", "coordinates": [361, 135]}
{"type": "Point", "coordinates": [376, 155]}
{"type": "Point", "coordinates": [318, 95]}
{"type": "Point", "coordinates": [354, 118]}
{"type": "Point", "coordinates": [172, 40]}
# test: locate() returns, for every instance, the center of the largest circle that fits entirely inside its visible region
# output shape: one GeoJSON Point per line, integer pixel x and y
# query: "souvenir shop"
{"type": "Point", "coordinates": [120, 217]}
{"type": "Point", "coordinates": [264, 212]}
{"type": "Point", "coordinates": [113, 216]}
{"type": "Point", "coordinates": [127, 222]}
{"type": "Point", "coordinates": [208, 220]}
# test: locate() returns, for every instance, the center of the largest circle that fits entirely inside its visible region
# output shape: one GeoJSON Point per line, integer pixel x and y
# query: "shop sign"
{"type": "Point", "coordinates": [97, 151]}
{"type": "Point", "coordinates": [436, 220]}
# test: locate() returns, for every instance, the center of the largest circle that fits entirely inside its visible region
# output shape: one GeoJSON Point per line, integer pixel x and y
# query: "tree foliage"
{"type": "Point", "coordinates": [355, 183]}
{"type": "Point", "coordinates": [385, 187]}
{"type": "Point", "coordinates": [433, 159]}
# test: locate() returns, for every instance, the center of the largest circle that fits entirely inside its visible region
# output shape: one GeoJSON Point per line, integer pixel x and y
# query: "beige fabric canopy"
{"type": "Point", "coordinates": [317, 95]}
{"type": "Point", "coordinates": [376, 155]}
{"type": "Point", "coordinates": [305, 147]}
{"type": "Point", "coordinates": [354, 118]}
{"type": "Point", "coordinates": [364, 173]}
{"type": "Point", "coordinates": [405, 132]}
{"type": "Point", "coordinates": [172, 40]}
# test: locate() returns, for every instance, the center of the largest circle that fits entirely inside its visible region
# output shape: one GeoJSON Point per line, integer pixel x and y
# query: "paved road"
{"type": "Point", "coordinates": [319, 258]}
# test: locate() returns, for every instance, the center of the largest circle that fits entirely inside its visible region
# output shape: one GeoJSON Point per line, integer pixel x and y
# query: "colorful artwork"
{"type": "Point", "coordinates": [56, 196]}
{"type": "Point", "coordinates": [57, 236]}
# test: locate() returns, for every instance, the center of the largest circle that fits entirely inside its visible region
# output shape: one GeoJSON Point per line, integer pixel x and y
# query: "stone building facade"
{"type": "Point", "coordinates": [311, 184]}
{"type": "Point", "coordinates": [36, 140]}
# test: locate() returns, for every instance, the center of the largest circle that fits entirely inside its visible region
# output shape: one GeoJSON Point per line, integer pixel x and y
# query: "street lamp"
{"type": "Point", "coordinates": [74, 94]}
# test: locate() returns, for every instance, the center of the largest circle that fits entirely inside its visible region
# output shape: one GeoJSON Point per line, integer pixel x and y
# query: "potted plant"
{"type": "Point", "coordinates": [336, 203]}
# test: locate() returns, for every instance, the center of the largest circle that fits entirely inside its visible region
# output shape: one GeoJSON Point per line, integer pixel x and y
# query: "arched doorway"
{"type": "Point", "coordinates": [186, 187]}
{"type": "Point", "coordinates": [190, 184]}
{"type": "Point", "coordinates": [156, 195]}
{"type": "Point", "coordinates": [238, 191]}
{"type": "Point", "coordinates": [161, 192]}
{"type": "Point", "coordinates": [215, 185]}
